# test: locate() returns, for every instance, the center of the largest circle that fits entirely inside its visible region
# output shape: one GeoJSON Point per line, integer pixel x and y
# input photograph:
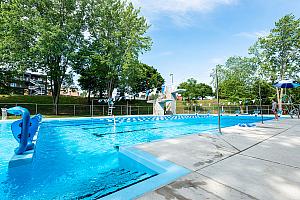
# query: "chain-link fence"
{"type": "Point", "coordinates": [245, 109]}
{"type": "Point", "coordinates": [81, 110]}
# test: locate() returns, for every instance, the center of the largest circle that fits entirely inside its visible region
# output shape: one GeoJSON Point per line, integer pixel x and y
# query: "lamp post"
{"type": "Point", "coordinates": [217, 93]}
{"type": "Point", "coordinates": [260, 105]}
{"type": "Point", "coordinates": [172, 81]}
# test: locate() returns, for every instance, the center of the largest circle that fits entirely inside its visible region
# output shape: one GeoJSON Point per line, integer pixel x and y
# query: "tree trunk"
{"type": "Point", "coordinates": [241, 109]}
{"type": "Point", "coordinates": [89, 96]}
{"type": "Point", "coordinates": [110, 88]}
{"type": "Point", "coordinates": [56, 91]}
{"type": "Point", "coordinates": [279, 91]}
{"type": "Point", "coordinates": [279, 97]}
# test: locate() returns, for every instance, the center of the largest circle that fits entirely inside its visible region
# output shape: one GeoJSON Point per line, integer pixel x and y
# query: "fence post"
{"type": "Point", "coordinates": [36, 108]}
{"type": "Point", "coordinates": [130, 110]}
{"type": "Point", "coordinates": [90, 110]}
{"type": "Point", "coordinates": [268, 110]}
{"type": "Point", "coordinates": [56, 110]}
{"type": "Point", "coordinates": [149, 109]}
{"type": "Point", "coordinates": [121, 110]}
{"type": "Point", "coordinates": [74, 110]}
{"type": "Point", "coordinates": [138, 110]}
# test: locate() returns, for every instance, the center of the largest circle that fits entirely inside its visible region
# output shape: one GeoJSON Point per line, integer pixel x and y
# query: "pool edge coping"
{"type": "Point", "coordinates": [167, 173]}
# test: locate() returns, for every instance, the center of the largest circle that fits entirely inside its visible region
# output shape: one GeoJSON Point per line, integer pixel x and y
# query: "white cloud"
{"type": "Point", "coordinates": [252, 35]}
{"type": "Point", "coordinates": [178, 10]}
{"type": "Point", "coordinates": [218, 61]}
{"type": "Point", "coordinates": [180, 6]}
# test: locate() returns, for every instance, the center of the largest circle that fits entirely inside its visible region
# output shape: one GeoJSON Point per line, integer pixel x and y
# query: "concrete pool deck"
{"type": "Point", "coordinates": [261, 162]}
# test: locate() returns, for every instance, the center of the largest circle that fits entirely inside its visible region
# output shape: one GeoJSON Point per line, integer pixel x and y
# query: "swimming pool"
{"type": "Point", "coordinates": [78, 158]}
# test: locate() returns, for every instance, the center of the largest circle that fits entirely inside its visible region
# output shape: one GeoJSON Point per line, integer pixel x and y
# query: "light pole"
{"type": "Point", "coordinates": [259, 91]}
{"type": "Point", "coordinates": [217, 93]}
{"type": "Point", "coordinates": [172, 81]}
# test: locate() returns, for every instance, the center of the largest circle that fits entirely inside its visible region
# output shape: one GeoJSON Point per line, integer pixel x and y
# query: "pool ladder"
{"type": "Point", "coordinates": [110, 110]}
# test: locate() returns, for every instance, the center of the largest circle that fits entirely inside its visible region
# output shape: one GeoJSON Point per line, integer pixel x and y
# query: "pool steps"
{"type": "Point", "coordinates": [126, 178]}
{"type": "Point", "coordinates": [163, 172]}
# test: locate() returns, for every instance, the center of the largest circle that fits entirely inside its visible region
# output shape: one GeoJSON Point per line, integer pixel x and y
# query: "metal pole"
{"type": "Point", "coordinates": [74, 110]}
{"type": "Point", "coordinates": [92, 108]}
{"type": "Point", "coordinates": [217, 91]}
{"type": "Point", "coordinates": [262, 115]}
{"type": "Point", "coordinates": [171, 78]}
{"type": "Point", "coordinates": [127, 108]}
{"type": "Point", "coordinates": [36, 108]}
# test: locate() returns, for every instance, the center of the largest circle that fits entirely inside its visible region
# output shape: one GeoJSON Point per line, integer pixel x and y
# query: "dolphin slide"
{"type": "Point", "coordinates": [24, 129]}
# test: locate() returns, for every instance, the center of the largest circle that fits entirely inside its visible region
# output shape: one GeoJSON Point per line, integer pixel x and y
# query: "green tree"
{"type": "Point", "coordinates": [236, 78]}
{"type": "Point", "coordinates": [8, 76]}
{"type": "Point", "coordinates": [278, 53]}
{"type": "Point", "coordinates": [140, 78]}
{"type": "Point", "coordinates": [42, 35]}
{"type": "Point", "coordinates": [267, 91]}
{"type": "Point", "coordinates": [195, 90]}
{"type": "Point", "coordinates": [116, 38]}
{"type": "Point", "coordinates": [93, 74]}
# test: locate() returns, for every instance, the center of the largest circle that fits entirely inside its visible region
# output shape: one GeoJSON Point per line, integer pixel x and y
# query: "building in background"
{"type": "Point", "coordinates": [35, 83]}
{"type": "Point", "coordinates": [70, 91]}
{"type": "Point", "coordinates": [30, 83]}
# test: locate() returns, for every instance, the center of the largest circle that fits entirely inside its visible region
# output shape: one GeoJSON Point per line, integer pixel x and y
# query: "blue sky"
{"type": "Point", "coordinates": [191, 36]}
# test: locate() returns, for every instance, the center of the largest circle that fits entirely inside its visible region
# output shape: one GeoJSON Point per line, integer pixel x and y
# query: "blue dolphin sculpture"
{"type": "Point", "coordinates": [24, 129]}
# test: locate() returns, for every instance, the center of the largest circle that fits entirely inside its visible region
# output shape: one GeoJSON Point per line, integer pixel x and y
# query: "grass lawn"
{"type": "Point", "coordinates": [63, 100]}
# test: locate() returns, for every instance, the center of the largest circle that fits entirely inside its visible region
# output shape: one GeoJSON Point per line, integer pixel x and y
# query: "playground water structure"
{"type": "Point", "coordinates": [80, 158]}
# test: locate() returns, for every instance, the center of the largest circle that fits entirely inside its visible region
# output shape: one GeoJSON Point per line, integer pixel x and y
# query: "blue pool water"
{"type": "Point", "coordinates": [78, 159]}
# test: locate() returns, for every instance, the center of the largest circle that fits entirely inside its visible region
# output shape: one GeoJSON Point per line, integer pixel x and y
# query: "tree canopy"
{"type": "Point", "coordinates": [236, 78]}
{"type": "Point", "coordinates": [141, 78]}
{"type": "Point", "coordinates": [272, 58]}
{"type": "Point", "coordinates": [96, 38]}
{"type": "Point", "coordinates": [195, 90]}
{"type": "Point", "coordinates": [278, 54]}
{"type": "Point", "coordinates": [42, 35]}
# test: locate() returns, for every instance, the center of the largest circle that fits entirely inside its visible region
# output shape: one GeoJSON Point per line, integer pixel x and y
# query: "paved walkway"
{"type": "Point", "coordinates": [261, 162]}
